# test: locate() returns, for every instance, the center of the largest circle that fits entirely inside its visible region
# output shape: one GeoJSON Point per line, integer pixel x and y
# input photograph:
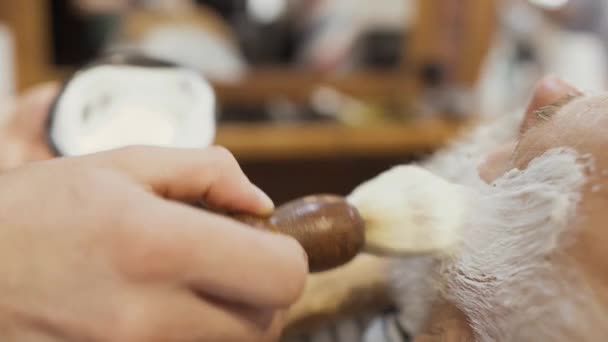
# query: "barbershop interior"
{"type": "Point", "coordinates": [399, 109]}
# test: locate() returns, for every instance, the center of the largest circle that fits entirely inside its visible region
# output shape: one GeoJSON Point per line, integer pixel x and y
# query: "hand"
{"type": "Point", "coordinates": [97, 248]}
{"type": "Point", "coordinates": [22, 131]}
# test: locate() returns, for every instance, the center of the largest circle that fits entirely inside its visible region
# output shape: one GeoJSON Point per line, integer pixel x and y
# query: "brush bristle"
{"type": "Point", "coordinates": [408, 210]}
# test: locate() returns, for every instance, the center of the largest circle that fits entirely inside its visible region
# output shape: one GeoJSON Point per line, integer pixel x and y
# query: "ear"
{"type": "Point", "coordinates": [547, 91]}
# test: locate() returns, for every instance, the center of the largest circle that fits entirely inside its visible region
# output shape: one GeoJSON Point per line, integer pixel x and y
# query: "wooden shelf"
{"type": "Point", "coordinates": [265, 84]}
{"type": "Point", "coordinates": [323, 140]}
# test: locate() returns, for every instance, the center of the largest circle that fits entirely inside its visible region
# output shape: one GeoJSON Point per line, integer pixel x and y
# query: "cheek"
{"type": "Point", "coordinates": [497, 162]}
{"type": "Point", "coordinates": [589, 249]}
{"type": "Point", "coordinates": [540, 139]}
{"type": "Point", "coordinates": [587, 135]}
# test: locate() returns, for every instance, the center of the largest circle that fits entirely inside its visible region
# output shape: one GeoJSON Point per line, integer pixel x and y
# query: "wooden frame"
{"type": "Point", "coordinates": [28, 20]}
{"type": "Point", "coordinates": [324, 140]}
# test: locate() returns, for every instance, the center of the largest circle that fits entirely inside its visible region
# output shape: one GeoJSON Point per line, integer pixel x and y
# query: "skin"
{"type": "Point", "coordinates": [563, 128]}
{"type": "Point", "coordinates": [107, 240]}
{"type": "Point", "coordinates": [22, 134]}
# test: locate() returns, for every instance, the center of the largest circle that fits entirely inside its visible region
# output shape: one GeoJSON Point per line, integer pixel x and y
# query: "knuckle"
{"type": "Point", "coordinates": [133, 149]}
{"type": "Point", "coordinates": [84, 178]}
{"type": "Point", "coordinates": [225, 166]}
{"type": "Point", "coordinates": [291, 272]}
{"type": "Point", "coordinates": [133, 325]}
{"type": "Point", "coordinates": [222, 155]}
{"type": "Point", "coordinates": [119, 211]}
{"type": "Point", "coordinates": [126, 153]}
{"type": "Point", "coordinates": [250, 328]}
{"type": "Point", "coordinates": [269, 329]}
{"type": "Point", "coordinates": [293, 288]}
{"type": "Point", "coordinates": [133, 258]}
{"type": "Point", "coordinates": [142, 258]}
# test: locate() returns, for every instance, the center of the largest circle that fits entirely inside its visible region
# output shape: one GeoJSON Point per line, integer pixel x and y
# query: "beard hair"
{"type": "Point", "coordinates": [510, 277]}
{"type": "Point", "coordinates": [414, 279]}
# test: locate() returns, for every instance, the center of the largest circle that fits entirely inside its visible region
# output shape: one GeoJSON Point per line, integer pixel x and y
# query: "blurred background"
{"type": "Point", "coordinates": [319, 95]}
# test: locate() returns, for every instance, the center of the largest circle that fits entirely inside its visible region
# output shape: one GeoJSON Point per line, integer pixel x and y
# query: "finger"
{"type": "Point", "coordinates": [277, 326]}
{"type": "Point", "coordinates": [211, 175]}
{"type": "Point", "coordinates": [211, 254]}
{"type": "Point", "coordinates": [269, 323]}
{"type": "Point", "coordinates": [176, 315]}
{"type": "Point", "coordinates": [22, 135]}
{"type": "Point", "coordinates": [33, 109]}
{"type": "Point", "coordinates": [549, 90]}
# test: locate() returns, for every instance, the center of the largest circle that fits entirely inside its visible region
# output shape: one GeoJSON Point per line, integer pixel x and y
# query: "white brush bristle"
{"type": "Point", "coordinates": [408, 210]}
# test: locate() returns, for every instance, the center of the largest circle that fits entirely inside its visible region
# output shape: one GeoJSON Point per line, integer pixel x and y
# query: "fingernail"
{"type": "Point", "coordinates": [267, 203]}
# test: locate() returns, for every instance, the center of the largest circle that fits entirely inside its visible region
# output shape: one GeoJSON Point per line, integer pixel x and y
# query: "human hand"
{"type": "Point", "coordinates": [22, 130]}
{"type": "Point", "coordinates": [98, 248]}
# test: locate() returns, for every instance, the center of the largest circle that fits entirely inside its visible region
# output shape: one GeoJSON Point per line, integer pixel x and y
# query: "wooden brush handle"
{"type": "Point", "coordinates": [329, 229]}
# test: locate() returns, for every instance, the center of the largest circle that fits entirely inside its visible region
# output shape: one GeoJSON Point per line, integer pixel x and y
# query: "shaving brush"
{"type": "Point", "coordinates": [330, 230]}
{"type": "Point", "coordinates": [404, 211]}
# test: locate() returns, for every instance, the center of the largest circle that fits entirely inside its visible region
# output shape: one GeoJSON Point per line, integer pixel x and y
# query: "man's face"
{"type": "Point", "coordinates": [526, 274]}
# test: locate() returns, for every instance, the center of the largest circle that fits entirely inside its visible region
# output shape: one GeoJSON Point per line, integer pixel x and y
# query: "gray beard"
{"type": "Point", "coordinates": [509, 277]}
